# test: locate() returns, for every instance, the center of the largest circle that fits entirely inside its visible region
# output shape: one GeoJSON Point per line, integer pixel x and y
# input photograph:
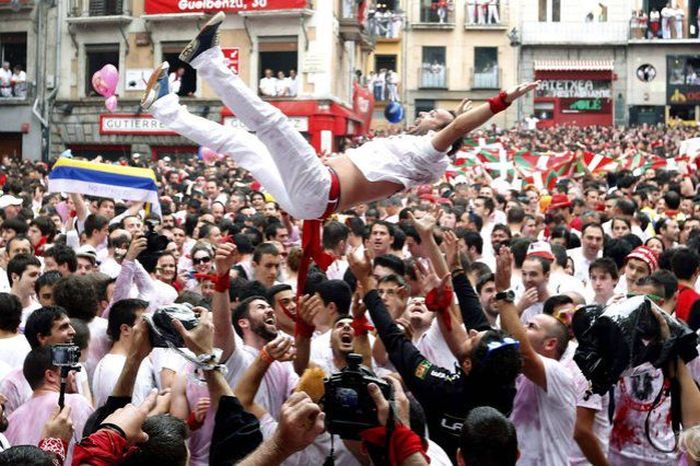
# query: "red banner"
{"type": "Point", "coordinates": [363, 105]}
{"type": "Point", "coordinates": [154, 7]}
{"type": "Point", "coordinates": [231, 55]}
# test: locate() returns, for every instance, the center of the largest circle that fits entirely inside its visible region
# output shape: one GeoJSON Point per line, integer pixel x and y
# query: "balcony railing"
{"type": "Point", "coordinates": [484, 16]}
{"type": "Point", "coordinates": [432, 77]}
{"type": "Point", "coordinates": [99, 7]}
{"type": "Point", "coordinates": [436, 16]}
{"type": "Point", "coordinates": [645, 31]}
{"type": "Point", "coordinates": [350, 27]}
{"type": "Point", "coordinates": [18, 96]}
{"type": "Point", "coordinates": [535, 32]}
{"type": "Point", "coordinates": [486, 79]}
{"type": "Point", "coordinates": [384, 25]}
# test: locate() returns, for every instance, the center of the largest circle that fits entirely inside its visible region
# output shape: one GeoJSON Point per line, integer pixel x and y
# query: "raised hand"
{"type": "Point", "coordinates": [360, 264]}
{"type": "Point", "coordinates": [199, 340]}
{"type": "Point", "coordinates": [427, 223]}
{"type": "Point", "coordinates": [301, 421]}
{"type": "Point", "coordinates": [137, 246]}
{"type": "Point", "coordinates": [520, 90]}
{"type": "Point", "coordinates": [130, 418]}
{"type": "Point", "coordinates": [226, 256]}
{"type": "Point", "coordinates": [464, 106]}
{"type": "Point", "coordinates": [503, 268]}
{"type": "Point", "coordinates": [450, 244]}
{"type": "Point", "coordinates": [530, 297]}
{"type": "Point", "coordinates": [59, 425]}
{"type": "Point", "coordinates": [281, 348]}
{"type": "Point", "coordinates": [309, 307]}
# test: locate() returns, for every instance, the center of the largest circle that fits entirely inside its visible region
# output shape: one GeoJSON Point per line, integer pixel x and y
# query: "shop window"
{"type": "Point", "coordinates": [11, 145]}
{"type": "Point", "coordinates": [182, 77]}
{"type": "Point", "coordinates": [485, 68]}
{"type": "Point", "coordinates": [97, 56]}
{"type": "Point", "coordinates": [278, 65]}
{"type": "Point", "coordinates": [682, 112]}
{"type": "Point", "coordinates": [433, 72]}
{"type": "Point", "coordinates": [387, 5]}
{"type": "Point", "coordinates": [544, 110]}
{"type": "Point", "coordinates": [423, 105]}
{"type": "Point", "coordinates": [89, 152]}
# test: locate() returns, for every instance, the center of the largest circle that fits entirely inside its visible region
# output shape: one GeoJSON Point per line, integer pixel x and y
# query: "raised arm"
{"type": "Point", "coordinates": [533, 367]}
{"type": "Point", "coordinates": [220, 303]}
{"type": "Point", "coordinates": [308, 308]}
{"type": "Point", "coordinates": [79, 204]}
{"type": "Point", "coordinates": [474, 118]}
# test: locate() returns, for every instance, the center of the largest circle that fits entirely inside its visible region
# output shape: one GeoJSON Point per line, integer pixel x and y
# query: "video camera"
{"type": "Point", "coordinates": [160, 324]}
{"type": "Point", "coordinates": [612, 341]}
{"type": "Point", "coordinates": [347, 403]}
{"type": "Point", "coordinates": [66, 357]}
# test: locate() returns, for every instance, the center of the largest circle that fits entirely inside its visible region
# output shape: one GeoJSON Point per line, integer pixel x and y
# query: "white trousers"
{"type": "Point", "coordinates": [279, 157]}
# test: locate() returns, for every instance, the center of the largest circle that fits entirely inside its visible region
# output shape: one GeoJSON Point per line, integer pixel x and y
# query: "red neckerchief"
{"type": "Point", "coordinates": [39, 250]}
{"type": "Point", "coordinates": [439, 300]}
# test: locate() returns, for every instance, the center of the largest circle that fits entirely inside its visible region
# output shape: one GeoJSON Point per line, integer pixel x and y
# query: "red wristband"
{"type": "Point", "coordinates": [361, 325]}
{"type": "Point", "coordinates": [498, 102]}
{"type": "Point", "coordinates": [222, 283]}
{"type": "Point", "coordinates": [265, 356]}
{"type": "Point", "coordinates": [440, 301]}
{"type": "Point", "coordinates": [193, 423]}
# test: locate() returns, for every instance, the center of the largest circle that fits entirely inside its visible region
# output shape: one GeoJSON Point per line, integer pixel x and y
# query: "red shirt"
{"type": "Point", "coordinates": [686, 298]}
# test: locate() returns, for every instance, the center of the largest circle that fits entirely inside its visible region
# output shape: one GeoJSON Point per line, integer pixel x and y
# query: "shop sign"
{"type": "Point", "coordinates": [300, 124]}
{"type": "Point", "coordinates": [232, 57]}
{"type": "Point", "coordinates": [585, 105]}
{"type": "Point", "coordinates": [683, 85]}
{"type": "Point", "coordinates": [153, 7]}
{"type": "Point", "coordinates": [142, 124]}
{"type": "Point", "coordinates": [575, 88]}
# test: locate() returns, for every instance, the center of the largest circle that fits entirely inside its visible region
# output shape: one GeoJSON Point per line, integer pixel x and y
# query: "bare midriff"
{"type": "Point", "coordinates": [355, 188]}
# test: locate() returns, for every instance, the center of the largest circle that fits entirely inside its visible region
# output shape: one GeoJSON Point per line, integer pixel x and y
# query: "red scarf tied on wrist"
{"type": "Point", "coordinates": [403, 443]}
{"type": "Point", "coordinates": [439, 300]}
{"type": "Point", "coordinates": [103, 448]}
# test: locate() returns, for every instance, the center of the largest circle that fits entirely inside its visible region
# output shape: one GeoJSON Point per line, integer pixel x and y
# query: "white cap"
{"type": "Point", "coordinates": [9, 199]}
{"type": "Point", "coordinates": [87, 251]}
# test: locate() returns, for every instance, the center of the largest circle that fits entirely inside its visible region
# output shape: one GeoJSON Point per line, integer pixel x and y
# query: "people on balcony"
{"type": "Point", "coordinates": [666, 18]}
{"type": "Point", "coordinates": [654, 23]}
{"type": "Point", "coordinates": [392, 84]}
{"type": "Point", "coordinates": [493, 17]}
{"type": "Point", "coordinates": [268, 84]}
{"type": "Point", "coordinates": [5, 80]}
{"type": "Point", "coordinates": [19, 82]}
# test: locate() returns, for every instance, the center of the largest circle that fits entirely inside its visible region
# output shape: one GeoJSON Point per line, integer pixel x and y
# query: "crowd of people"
{"type": "Point", "coordinates": [459, 298]}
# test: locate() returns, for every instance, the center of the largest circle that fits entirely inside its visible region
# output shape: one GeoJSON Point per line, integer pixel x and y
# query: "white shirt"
{"type": "Point", "coordinates": [281, 87]}
{"type": "Point", "coordinates": [601, 423]}
{"type": "Point", "coordinates": [5, 77]}
{"type": "Point", "coordinates": [107, 373]}
{"type": "Point", "coordinates": [434, 347]}
{"type": "Point", "coordinates": [544, 420]}
{"type": "Point", "coordinates": [280, 380]}
{"type": "Point", "coordinates": [561, 282]}
{"type": "Point", "coordinates": [405, 159]}
{"type": "Point", "coordinates": [174, 82]}
{"type": "Point", "coordinates": [268, 87]}
{"type": "Point", "coordinates": [581, 264]}
{"type": "Point", "coordinates": [531, 312]}
{"type": "Point", "coordinates": [13, 350]}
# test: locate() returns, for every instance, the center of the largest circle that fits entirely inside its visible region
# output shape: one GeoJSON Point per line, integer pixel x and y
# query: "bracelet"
{"type": "Point", "coordinates": [303, 329]}
{"type": "Point", "coordinates": [498, 102]}
{"type": "Point", "coordinates": [222, 283]}
{"type": "Point", "coordinates": [361, 325]}
{"type": "Point", "coordinates": [265, 356]}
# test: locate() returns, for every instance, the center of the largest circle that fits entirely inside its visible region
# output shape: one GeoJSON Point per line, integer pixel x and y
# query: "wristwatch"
{"type": "Point", "coordinates": [507, 296]}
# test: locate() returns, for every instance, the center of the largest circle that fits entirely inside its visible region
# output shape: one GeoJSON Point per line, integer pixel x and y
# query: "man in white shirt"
{"type": "Point", "coordinates": [13, 345]}
{"type": "Point", "coordinates": [544, 410]}
{"type": "Point", "coordinates": [592, 236]}
{"type": "Point", "coordinates": [535, 276]}
{"type": "Point", "coordinates": [268, 84]}
{"type": "Point", "coordinates": [23, 271]}
{"type": "Point", "coordinates": [19, 82]}
{"type": "Point", "coordinates": [266, 264]}
{"type": "Point", "coordinates": [281, 85]}
{"type": "Point", "coordinates": [175, 80]}
{"type": "Point", "coordinates": [292, 84]}
{"type": "Point", "coordinates": [5, 80]}
{"type": "Point", "coordinates": [122, 317]}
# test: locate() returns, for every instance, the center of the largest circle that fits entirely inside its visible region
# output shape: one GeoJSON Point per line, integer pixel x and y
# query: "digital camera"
{"type": "Point", "coordinates": [347, 403]}
{"type": "Point", "coordinates": [65, 355]}
{"type": "Point", "coordinates": [160, 324]}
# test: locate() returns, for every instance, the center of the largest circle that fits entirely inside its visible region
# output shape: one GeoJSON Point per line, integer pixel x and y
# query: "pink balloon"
{"type": "Point", "coordinates": [208, 155]}
{"type": "Point", "coordinates": [111, 103]}
{"type": "Point", "coordinates": [105, 81]}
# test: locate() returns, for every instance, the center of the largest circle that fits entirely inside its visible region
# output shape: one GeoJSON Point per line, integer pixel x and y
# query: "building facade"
{"type": "Point", "coordinates": [610, 62]}
{"type": "Point", "coordinates": [313, 48]}
{"type": "Point", "coordinates": [455, 50]}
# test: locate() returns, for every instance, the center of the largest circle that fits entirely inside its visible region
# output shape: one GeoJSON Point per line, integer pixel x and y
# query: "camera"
{"type": "Point", "coordinates": [347, 403]}
{"type": "Point", "coordinates": [65, 355]}
{"type": "Point", "coordinates": [160, 324]}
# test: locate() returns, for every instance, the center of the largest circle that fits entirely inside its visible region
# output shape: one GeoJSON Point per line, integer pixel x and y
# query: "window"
{"type": "Point", "coordinates": [433, 72]}
{"type": "Point", "coordinates": [278, 64]}
{"type": "Point", "coordinates": [97, 56]}
{"type": "Point", "coordinates": [182, 77]}
{"type": "Point", "coordinates": [106, 7]}
{"type": "Point", "coordinates": [556, 10]}
{"type": "Point", "coordinates": [683, 112]}
{"type": "Point", "coordinates": [549, 10]}
{"type": "Point", "coordinates": [542, 11]}
{"type": "Point", "coordinates": [435, 11]}
{"type": "Point", "coordinates": [13, 50]}
{"type": "Point", "coordinates": [485, 68]}
{"type": "Point", "coordinates": [544, 110]}
{"type": "Point", "coordinates": [385, 61]}
{"type": "Point", "coordinates": [423, 105]}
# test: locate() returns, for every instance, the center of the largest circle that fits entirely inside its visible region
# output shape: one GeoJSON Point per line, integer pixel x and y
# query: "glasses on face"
{"type": "Point", "coordinates": [497, 345]}
{"type": "Point", "coordinates": [201, 260]}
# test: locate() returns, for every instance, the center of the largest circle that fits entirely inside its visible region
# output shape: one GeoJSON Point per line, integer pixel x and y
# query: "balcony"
{"type": "Point", "coordinates": [20, 98]}
{"type": "Point", "coordinates": [349, 26]}
{"type": "Point", "coordinates": [99, 8]}
{"type": "Point", "coordinates": [486, 79]}
{"type": "Point", "coordinates": [485, 17]}
{"type": "Point", "coordinates": [542, 33]}
{"type": "Point", "coordinates": [432, 76]}
{"type": "Point", "coordinates": [384, 26]}
{"type": "Point", "coordinates": [16, 5]}
{"type": "Point", "coordinates": [436, 17]}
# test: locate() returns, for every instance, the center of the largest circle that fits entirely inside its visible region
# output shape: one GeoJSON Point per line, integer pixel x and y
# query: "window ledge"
{"type": "Point", "coordinates": [485, 27]}
{"type": "Point", "coordinates": [294, 12]}
{"type": "Point", "coordinates": [690, 40]}
{"type": "Point", "coordinates": [173, 17]}
{"type": "Point", "coordinates": [106, 19]}
{"type": "Point", "coordinates": [433, 25]}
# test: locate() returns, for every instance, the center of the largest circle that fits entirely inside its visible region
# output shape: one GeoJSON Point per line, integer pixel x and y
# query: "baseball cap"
{"type": "Point", "coordinates": [559, 201]}
{"type": "Point", "coordinates": [88, 252]}
{"type": "Point", "coordinates": [540, 249]}
{"type": "Point", "coordinates": [9, 199]}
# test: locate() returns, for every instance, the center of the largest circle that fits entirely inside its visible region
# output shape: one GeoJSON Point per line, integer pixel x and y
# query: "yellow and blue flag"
{"type": "Point", "coordinates": [105, 180]}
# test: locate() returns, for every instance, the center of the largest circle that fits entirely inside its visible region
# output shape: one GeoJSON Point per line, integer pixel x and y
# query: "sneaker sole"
{"type": "Point", "coordinates": [147, 99]}
{"type": "Point", "coordinates": [187, 53]}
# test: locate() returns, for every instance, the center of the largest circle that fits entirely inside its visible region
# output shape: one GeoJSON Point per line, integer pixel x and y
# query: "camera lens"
{"type": "Point", "coordinates": [347, 398]}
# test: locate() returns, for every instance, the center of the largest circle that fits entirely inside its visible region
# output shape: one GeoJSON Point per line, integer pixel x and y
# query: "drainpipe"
{"type": "Point", "coordinates": [51, 99]}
